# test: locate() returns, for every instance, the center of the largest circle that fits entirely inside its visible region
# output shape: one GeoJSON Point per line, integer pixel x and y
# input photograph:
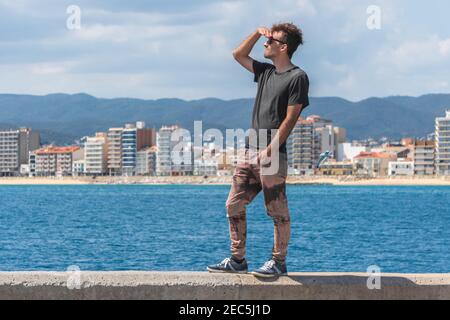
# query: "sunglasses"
{"type": "Point", "coordinates": [271, 40]}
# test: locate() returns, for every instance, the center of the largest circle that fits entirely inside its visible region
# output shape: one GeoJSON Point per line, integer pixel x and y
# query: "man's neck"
{"type": "Point", "coordinates": [282, 64]}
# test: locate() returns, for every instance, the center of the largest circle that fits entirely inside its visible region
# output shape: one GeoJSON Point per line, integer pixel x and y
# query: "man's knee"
{"type": "Point", "coordinates": [281, 220]}
{"type": "Point", "coordinates": [278, 211]}
{"type": "Point", "coordinates": [235, 209]}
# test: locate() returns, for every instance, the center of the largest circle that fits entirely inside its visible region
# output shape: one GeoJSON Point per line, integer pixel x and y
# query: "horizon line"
{"type": "Point", "coordinates": [206, 98]}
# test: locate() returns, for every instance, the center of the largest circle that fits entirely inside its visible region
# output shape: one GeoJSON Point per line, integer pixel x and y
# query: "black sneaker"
{"type": "Point", "coordinates": [271, 269]}
{"type": "Point", "coordinates": [228, 265]}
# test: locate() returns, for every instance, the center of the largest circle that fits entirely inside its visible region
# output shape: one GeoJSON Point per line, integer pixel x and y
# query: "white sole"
{"type": "Point", "coordinates": [261, 275]}
{"type": "Point", "coordinates": [230, 272]}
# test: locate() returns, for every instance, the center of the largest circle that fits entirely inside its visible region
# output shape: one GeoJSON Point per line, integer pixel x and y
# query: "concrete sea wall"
{"type": "Point", "coordinates": [205, 286]}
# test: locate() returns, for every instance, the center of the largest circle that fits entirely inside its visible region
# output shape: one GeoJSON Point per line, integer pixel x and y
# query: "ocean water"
{"type": "Point", "coordinates": [184, 227]}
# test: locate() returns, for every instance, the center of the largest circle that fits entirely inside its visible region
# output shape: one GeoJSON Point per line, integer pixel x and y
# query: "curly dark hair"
{"type": "Point", "coordinates": [293, 36]}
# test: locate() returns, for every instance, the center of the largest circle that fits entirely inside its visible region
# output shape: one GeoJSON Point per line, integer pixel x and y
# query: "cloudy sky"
{"type": "Point", "coordinates": [163, 49]}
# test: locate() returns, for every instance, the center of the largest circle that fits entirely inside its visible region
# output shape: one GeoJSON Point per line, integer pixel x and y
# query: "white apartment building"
{"type": "Point", "coordinates": [164, 146]}
{"type": "Point", "coordinates": [78, 167]}
{"type": "Point", "coordinates": [401, 168]}
{"type": "Point", "coordinates": [171, 161]}
{"type": "Point", "coordinates": [146, 161]}
{"type": "Point", "coordinates": [182, 160]}
{"type": "Point", "coordinates": [300, 146]}
{"type": "Point", "coordinates": [423, 157]}
{"type": "Point", "coordinates": [54, 161]}
{"type": "Point", "coordinates": [96, 154]}
{"type": "Point", "coordinates": [442, 137]}
{"type": "Point", "coordinates": [309, 138]}
{"type": "Point", "coordinates": [205, 167]}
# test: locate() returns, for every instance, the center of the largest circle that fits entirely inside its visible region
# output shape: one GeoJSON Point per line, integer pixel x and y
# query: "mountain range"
{"type": "Point", "coordinates": [63, 118]}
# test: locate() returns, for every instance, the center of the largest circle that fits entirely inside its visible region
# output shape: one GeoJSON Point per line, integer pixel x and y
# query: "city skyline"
{"type": "Point", "coordinates": [132, 150]}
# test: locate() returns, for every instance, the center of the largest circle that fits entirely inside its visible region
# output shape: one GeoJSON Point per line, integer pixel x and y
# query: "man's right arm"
{"type": "Point", "coordinates": [242, 53]}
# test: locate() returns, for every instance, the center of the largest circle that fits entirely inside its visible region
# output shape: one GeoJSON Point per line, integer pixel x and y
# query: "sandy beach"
{"type": "Point", "coordinates": [339, 181]}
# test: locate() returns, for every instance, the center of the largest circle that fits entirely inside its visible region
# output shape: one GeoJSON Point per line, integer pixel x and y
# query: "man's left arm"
{"type": "Point", "coordinates": [292, 115]}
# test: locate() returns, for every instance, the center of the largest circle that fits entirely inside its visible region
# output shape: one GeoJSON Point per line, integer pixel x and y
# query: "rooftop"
{"type": "Point", "coordinates": [57, 150]}
{"type": "Point", "coordinates": [427, 143]}
{"type": "Point", "coordinates": [379, 155]}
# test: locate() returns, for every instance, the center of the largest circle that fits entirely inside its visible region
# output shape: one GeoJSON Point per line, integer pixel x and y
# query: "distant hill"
{"type": "Point", "coordinates": [62, 118]}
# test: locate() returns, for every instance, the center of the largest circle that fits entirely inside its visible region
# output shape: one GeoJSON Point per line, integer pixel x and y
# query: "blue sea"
{"type": "Point", "coordinates": [184, 227]}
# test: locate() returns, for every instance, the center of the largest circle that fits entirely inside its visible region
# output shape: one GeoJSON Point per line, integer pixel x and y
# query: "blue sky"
{"type": "Point", "coordinates": [160, 49]}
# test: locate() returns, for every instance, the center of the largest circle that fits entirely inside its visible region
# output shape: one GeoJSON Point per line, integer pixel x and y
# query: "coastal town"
{"type": "Point", "coordinates": [135, 151]}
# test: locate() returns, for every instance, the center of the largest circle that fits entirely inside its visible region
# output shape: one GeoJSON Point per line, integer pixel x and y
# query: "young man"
{"type": "Point", "coordinates": [281, 97]}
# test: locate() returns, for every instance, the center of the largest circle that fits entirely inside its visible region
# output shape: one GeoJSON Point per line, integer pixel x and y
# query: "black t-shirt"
{"type": "Point", "coordinates": [277, 91]}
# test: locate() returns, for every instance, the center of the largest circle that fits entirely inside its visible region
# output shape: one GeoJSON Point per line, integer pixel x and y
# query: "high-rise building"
{"type": "Point", "coordinates": [96, 154]}
{"type": "Point", "coordinates": [9, 152]}
{"type": "Point", "coordinates": [323, 137]}
{"type": "Point", "coordinates": [129, 149]}
{"type": "Point", "coordinates": [340, 136]}
{"type": "Point", "coordinates": [423, 157]}
{"type": "Point", "coordinates": [115, 151]}
{"type": "Point", "coordinates": [300, 146]}
{"type": "Point", "coordinates": [164, 146]}
{"type": "Point", "coordinates": [442, 137]}
{"type": "Point", "coordinates": [325, 141]}
{"type": "Point", "coordinates": [309, 138]}
{"type": "Point", "coordinates": [174, 158]}
{"type": "Point", "coordinates": [28, 141]}
{"type": "Point", "coordinates": [146, 137]}
{"type": "Point", "coordinates": [15, 146]}
{"type": "Point", "coordinates": [135, 137]}
{"type": "Point", "coordinates": [146, 161]}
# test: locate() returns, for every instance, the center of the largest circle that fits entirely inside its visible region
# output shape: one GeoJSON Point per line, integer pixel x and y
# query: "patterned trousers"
{"type": "Point", "coordinates": [250, 177]}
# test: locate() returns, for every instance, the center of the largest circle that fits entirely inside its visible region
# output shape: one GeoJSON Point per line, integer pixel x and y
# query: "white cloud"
{"type": "Point", "coordinates": [307, 7]}
{"type": "Point", "coordinates": [48, 69]}
{"type": "Point", "coordinates": [444, 47]}
{"type": "Point", "coordinates": [410, 55]}
{"type": "Point", "coordinates": [15, 5]}
{"type": "Point", "coordinates": [148, 53]}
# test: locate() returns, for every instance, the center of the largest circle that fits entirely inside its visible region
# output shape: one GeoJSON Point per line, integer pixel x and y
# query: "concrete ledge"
{"type": "Point", "coordinates": [206, 286]}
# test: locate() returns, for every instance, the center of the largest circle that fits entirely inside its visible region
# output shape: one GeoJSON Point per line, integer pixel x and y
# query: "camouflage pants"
{"type": "Point", "coordinates": [248, 180]}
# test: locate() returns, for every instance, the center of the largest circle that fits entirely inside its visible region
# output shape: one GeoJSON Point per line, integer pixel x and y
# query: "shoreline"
{"type": "Point", "coordinates": [195, 180]}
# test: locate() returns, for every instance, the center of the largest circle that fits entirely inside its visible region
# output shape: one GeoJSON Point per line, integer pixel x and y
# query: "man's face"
{"type": "Point", "coordinates": [274, 48]}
